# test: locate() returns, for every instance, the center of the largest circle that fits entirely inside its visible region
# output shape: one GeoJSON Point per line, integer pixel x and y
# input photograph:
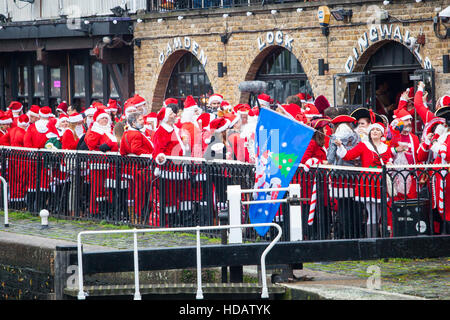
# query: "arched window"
{"type": "Point", "coordinates": [189, 78]}
{"type": "Point", "coordinates": [284, 75]}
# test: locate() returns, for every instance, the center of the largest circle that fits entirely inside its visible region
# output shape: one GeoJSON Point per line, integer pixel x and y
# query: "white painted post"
{"type": "Point", "coordinates": [199, 295]}
{"type": "Point", "coordinates": [296, 231]}
{"type": "Point", "coordinates": [5, 200]}
{"type": "Point", "coordinates": [234, 202]}
{"type": "Point", "coordinates": [137, 294]}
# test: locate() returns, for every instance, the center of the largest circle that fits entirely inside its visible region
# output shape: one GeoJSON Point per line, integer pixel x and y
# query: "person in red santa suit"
{"type": "Point", "coordinates": [264, 100]}
{"type": "Point", "coordinates": [5, 125]}
{"type": "Point", "coordinates": [62, 109]}
{"type": "Point", "coordinates": [150, 124]}
{"type": "Point", "coordinates": [214, 103]}
{"type": "Point", "coordinates": [167, 140]}
{"type": "Point", "coordinates": [190, 130]}
{"type": "Point", "coordinates": [374, 153]}
{"type": "Point", "coordinates": [173, 178]}
{"type": "Point", "coordinates": [36, 135]}
{"type": "Point", "coordinates": [112, 108]}
{"type": "Point", "coordinates": [17, 109]}
{"type": "Point", "coordinates": [441, 179]}
{"type": "Point", "coordinates": [99, 138]}
{"type": "Point", "coordinates": [135, 142]}
{"type": "Point", "coordinates": [17, 171]}
{"type": "Point", "coordinates": [204, 121]}
{"type": "Point", "coordinates": [73, 133]}
{"type": "Point", "coordinates": [405, 147]}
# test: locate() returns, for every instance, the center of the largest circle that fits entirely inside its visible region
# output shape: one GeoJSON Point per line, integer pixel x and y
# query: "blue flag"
{"type": "Point", "coordinates": [280, 144]}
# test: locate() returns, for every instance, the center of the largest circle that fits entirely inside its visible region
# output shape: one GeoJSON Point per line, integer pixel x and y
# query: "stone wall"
{"type": "Point", "coordinates": [251, 39]}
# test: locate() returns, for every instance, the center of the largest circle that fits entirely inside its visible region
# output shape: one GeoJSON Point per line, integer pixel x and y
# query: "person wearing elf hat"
{"type": "Point", "coordinates": [374, 153]}
{"type": "Point", "coordinates": [190, 130]}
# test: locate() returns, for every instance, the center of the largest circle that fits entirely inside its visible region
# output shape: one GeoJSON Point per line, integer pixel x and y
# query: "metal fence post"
{"type": "Point", "coordinates": [384, 194]}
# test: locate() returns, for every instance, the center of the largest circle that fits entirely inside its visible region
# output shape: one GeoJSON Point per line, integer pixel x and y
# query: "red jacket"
{"type": "Point", "coordinates": [167, 141]}
{"type": "Point", "coordinates": [17, 135]}
{"type": "Point", "coordinates": [35, 138]}
{"type": "Point", "coordinates": [369, 158]}
{"type": "Point", "coordinates": [314, 151]}
{"type": "Point", "coordinates": [69, 140]}
{"type": "Point", "coordinates": [94, 138]}
{"type": "Point", "coordinates": [135, 142]}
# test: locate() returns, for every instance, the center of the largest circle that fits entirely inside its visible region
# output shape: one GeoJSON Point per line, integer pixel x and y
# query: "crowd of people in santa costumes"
{"type": "Point", "coordinates": [361, 138]}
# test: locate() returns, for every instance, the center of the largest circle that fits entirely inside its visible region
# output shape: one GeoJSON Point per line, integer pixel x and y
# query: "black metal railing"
{"type": "Point", "coordinates": [351, 202]}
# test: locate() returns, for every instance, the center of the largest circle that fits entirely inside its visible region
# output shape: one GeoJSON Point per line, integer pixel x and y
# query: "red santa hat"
{"type": "Point", "coordinates": [23, 120]}
{"type": "Point", "coordinates": [62, 107]}
{"type": "Point", "coordinates": [190, 103]}
{"type": "Point", "coordinates": [6, 117]}
{"type": "Point", "coordinates": [292, 110]}
{"type": "Point", "coordinates": [63, 117]}
{"type": "Point", "coordinates": [75, 117]}
{"type": "Point", "coordinates": [100, 114]}
{"type": "Point", "coordinates": [90, 111]}
{"type": "Point", "coordinates": [138, 101]}
{"type": "Point", "coordinates": [151, 118]}
{"type": "Point", "coordinates": [45, 112]}
{"type": "Point", "coordinates": [321, 103]}
{"type": "Point", "coordinates": [34, 111]}
{"type": "Point", "coordinates": [163, 114]}
{"type": "Point", "coordinates": [311, 111]}
{"type": "Point", "coordinates": [15, 106]}
{"type": "Point", "coordinates": [264, 100]}
{"type": "Point", "coordinates": [112, 106]}
{"type": "Point", "coordinates": [402, 114]}
{"type": "Point", "coordinates": [219, 125]}
{"type": "Point", "coordinates": [215, 98]}
{"type": "Point", "coordinates": [444, 101]}
{"type": "Point", "coordinates": [170, 101]}
{"type": "Point", "coordinates": [302, 97]}
{"type": "Point", "coordinates": [205, 119]}
{"type": "Point", "coordinates": [376, 125]}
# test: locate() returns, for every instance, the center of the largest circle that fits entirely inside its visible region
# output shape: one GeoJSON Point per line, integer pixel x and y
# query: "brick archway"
{"type": "Point", "coordinates": [367, 54]}
{"type": "Point", "coordinates": [257, 63]}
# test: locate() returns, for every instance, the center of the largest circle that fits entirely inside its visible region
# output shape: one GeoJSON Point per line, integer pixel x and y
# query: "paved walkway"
{"type": "Point", "coordinates": [398, 278]}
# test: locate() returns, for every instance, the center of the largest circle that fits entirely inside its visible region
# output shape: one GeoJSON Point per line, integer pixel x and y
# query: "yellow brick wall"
{"type": "Point", "coordinates": [242, 50]}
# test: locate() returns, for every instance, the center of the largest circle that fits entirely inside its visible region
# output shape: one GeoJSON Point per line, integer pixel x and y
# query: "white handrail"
{"type": "Point", "coordinates": [199, 295]}
{"type": "Point", "coordinates": [5, 200]}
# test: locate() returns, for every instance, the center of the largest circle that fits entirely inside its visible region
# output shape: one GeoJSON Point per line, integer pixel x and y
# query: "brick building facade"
{"type": "Point", "coordinates": [242, 41]}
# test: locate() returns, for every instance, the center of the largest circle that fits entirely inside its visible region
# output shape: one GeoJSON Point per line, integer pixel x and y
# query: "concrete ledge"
{"type": "Point", "coordinates": [340, 292]}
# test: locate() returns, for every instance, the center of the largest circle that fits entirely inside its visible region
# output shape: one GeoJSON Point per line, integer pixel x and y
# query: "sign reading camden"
{"type": "Point", "coordinates": [275, 38]}
{"type": "Point", "coordinates": [384, 32]}
{"type": "Point", "coordinates": [185, 43]}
